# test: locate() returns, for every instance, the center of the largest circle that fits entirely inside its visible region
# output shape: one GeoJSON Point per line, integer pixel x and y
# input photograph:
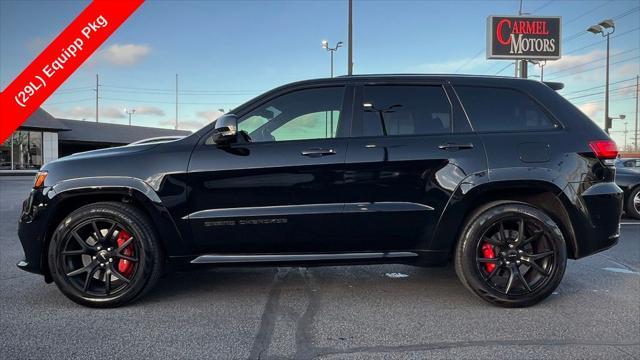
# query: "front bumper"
{"type": "Point", "coordinates": [597, 220]}
{"type": "Point", "coordinates": [32, 229]}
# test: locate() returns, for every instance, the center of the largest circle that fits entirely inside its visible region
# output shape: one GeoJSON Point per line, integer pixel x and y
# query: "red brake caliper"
{"type": "Point", "coordinates": [125, 267]}
{"type": "Point", "coordinates": [488, 253]}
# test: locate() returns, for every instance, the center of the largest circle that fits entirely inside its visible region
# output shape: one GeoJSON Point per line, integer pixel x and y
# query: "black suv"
{"type": "Point", "coordinates": [502, 176]}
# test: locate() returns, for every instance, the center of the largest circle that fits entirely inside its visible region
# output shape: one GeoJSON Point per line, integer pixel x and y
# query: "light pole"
{"type": "Point", "coordinates": [621, 117]}
{"type": "Point", "coordinates": [325, 45]}
{"type": "Point", "coordinates": [603, 29]}
{"type": "Point", "coordinates": [130, 113]}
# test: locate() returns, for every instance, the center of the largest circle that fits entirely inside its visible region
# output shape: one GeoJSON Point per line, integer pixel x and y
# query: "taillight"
{"type": "Point", "coordinates": [604, 149]}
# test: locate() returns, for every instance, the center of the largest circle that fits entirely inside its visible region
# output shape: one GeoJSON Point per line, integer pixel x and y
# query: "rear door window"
{"type": "Point", "coordinates": [391, 110]}
{"type": "Point", "coordinates": [500, 109]}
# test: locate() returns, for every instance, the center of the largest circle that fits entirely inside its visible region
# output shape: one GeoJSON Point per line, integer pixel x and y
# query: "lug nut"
{"type": "Point", "coordinates": [99, 247]}
{"type": "Point", "coordinates": [110, 259]}
{"type": "Point", "coordinates": [520, 251]}
{"type": "Point", "coordinates": [507, 263]}
{"type": "Point", "coordinates": [518, 262]}
{"type": "Point", "coordinates": [109, 249]}
{"type": "Point", "coordinates": [93, 258]}
{"type": "Point", "coordinates": [101, 264]}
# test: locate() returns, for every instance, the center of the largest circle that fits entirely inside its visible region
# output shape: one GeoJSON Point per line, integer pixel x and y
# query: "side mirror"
{"type": "Point", "coordinates": [226, 130]}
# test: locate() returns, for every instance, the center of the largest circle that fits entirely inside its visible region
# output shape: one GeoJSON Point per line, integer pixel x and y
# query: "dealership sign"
{"type": "Point", "coordinates": [523, 37]}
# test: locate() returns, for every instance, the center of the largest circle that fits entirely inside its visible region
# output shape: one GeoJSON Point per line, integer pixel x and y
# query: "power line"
{"type": "Point", "coordinates": [167, 102]}
{"type": "Point", "coordinates": [469, 60]}
{"type": "Point", "coordinates": [616, 17]}
{"type": "Point", "coordinates": [599, 86]}
{"type": "Point", "coordinates": [597, 67]}
{"type": "Point", "coordinates": [586, 13]}
{"type": "Point", "coordinates": [601, 92]}
{"type": "Point", "coordinates": [542, 6]}
{"type": "Point", "coordinates": [599, 41]}
{"type": "Point", "coordinates": [69, 101]}
{"type": "Point", "coordinates": [591, 61]}
{"type": "Point", "coordinates": [503, 69]}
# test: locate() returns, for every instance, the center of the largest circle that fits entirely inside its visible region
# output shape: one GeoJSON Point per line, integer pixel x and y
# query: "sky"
{"type": "Point", "coordinates": [227, 52]}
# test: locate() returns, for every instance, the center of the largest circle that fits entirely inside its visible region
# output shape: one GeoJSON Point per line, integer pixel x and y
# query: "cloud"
{"type": "Point", "coordinates": [464, 65]}
{"type": "Point", "coordinates": [592, 110]}
{"type": "Point", "coordinates": [149, 110]}
{"type": "Point", "coordinates": [112, 112]}
{"type": "Point", "coordinates": [183, 124]}
{"type": "Point", "coordinates": [125, 54]}
{"type": "Point", "coordinates": [209, 115]}
{"type": "Point", "coordinates": [76, 112]}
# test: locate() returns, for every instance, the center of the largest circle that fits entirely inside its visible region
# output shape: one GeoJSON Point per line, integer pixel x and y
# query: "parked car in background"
{"type": "Point", "coordinates": [633, 164]}
{"type": "Point", "coordinates": [628, 178]}
{"type": "Point", "coordinates": [501, 176]}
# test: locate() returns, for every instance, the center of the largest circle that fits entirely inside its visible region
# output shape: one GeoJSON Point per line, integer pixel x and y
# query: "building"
{"type": "Point", "coordinates": [43, 138]}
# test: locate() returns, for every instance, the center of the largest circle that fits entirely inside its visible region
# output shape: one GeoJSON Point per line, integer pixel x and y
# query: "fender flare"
{"type": "Point", "coordinates": [166, 228]}
{"type": "Point", "coordinates": [474, 187]}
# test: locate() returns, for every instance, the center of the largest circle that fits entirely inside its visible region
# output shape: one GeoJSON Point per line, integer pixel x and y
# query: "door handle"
{"type": "Point", "coordinates": [317, 152]}
{"type": "Point", "coordinates": [452, 146]}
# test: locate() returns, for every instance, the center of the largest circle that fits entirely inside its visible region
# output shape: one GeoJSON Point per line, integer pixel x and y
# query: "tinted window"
{"type": "Point", "coordinates": [404, 110]}
{"type": "Point", "coordinates": [497, 109]}
{"type": "Point", "coordinates": [300, 115]}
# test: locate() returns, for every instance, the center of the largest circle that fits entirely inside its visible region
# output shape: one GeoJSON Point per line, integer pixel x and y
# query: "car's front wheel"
{"type": "Point", "coordinates": [104, 255]}
{"type": "Point", "coordinates": [511, 254]}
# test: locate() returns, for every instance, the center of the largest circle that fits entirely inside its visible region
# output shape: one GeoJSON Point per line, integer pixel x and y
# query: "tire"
{"type": "Point", "coordinates": [488, 263]}
{"type": "Point", "coordinates": [632, 207]}
{"type": "Point", "coordinates": [126, 253]}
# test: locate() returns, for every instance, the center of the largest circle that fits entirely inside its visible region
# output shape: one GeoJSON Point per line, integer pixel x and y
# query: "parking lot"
{"type": "Point", "coordinates": [350, 312]}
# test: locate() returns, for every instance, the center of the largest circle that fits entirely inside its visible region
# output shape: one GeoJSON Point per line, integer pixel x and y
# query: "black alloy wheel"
{"type": "Point", "coordinates": [511, 254]}
{"type": "Point", "coordinates": [104, 255]}
{"type": "Point", "coordinates": [99, 257]}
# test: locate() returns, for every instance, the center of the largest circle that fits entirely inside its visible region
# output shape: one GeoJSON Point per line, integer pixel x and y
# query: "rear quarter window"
{"type": "Point", "coordinates": [500, 109]}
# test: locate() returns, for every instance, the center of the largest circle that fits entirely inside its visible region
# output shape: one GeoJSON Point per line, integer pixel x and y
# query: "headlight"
{"type": "Point", "coordinates": [39, 181]}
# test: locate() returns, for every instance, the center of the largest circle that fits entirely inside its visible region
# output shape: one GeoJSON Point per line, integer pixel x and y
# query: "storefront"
{"type": "Point", "coordinates": [43, 138]}
{"type": "Point", "coordinates": [33, 144]}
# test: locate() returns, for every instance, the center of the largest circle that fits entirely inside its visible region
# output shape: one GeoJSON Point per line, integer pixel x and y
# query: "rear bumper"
{"type": "Point", "coordinates": [597, 220]}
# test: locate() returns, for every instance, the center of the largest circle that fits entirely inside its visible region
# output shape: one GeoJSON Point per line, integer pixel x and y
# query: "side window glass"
{"type": "Point", "coordinates": [499, 109]}
{"type": "Point", "coordinates": [405, 110]}
{"type": "Point", "coordinates": [300, 115]}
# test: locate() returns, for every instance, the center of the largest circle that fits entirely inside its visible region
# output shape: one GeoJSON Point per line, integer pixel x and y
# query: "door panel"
{"type": "Point", "coordinates": [264, 198]}
{"type": "Point", "coordinates": [279, 189]}
{"type": "Point", "coordinates": [402, 182]}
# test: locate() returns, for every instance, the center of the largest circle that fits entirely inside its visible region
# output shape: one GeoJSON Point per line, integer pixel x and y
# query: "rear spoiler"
{"type": "Point", "coordinates": [554, 85]}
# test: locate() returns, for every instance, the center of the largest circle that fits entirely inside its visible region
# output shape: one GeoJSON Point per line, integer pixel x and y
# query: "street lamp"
{"type": "Point", "coordinates": [130, 113]}
{"type": "Point", "coordinates": [605, 28]}
{"type": "Point", "coordinates": [325, 45]}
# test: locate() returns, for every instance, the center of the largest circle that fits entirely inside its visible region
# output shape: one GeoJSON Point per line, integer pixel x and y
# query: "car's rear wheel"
{"type": "Point", "coordinates": [633, 204]}
{"type": "Point", "coordinates": [511, 254]}
{"type": "Point", "coordinates": [104, 255]}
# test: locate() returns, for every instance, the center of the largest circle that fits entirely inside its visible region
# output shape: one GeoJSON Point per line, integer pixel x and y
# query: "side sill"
{"type": "Point", "coordinates": [226, 259]}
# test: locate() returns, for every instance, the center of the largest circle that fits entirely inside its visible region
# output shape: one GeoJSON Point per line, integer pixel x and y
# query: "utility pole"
{"type": "Point", "coordinates": [176, 101]}
{"type": "Point", "coordinates": [350, 60]}
{"type": "Point", "coordinates": [523, 63]}
{"type": "Point", "coordinates": [97, 87]}
{"type": "Point", "coordinates": [636, 132]}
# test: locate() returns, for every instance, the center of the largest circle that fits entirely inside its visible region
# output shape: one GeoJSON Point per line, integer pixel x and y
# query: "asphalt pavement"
{"type": "Point", "coordinates": [348, 312]}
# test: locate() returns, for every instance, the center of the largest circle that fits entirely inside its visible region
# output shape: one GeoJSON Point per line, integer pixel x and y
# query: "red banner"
{"type": "Point", "coordinates": [60, 59]}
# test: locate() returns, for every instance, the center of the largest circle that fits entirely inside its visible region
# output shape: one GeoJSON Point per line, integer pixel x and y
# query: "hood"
{"type": "Point", "coordinates": [120, 150]}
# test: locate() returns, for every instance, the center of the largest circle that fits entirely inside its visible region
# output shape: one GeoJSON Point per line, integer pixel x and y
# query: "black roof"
{"type": "Point", "coordinates": [107, 133]}
{"type": "Point", "coordinates": [42, 120]}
